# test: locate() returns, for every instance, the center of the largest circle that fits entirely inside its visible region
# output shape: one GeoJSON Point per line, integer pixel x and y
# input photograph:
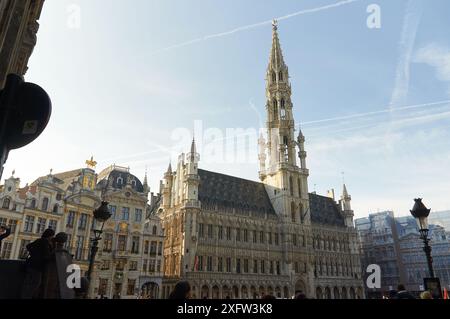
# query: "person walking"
{"type": "Point", "coordinates": [300, 295]}
{"type": "Point", "coordinates": [182, 291]}
{"type": "Point", "coordinates": [426, 295]}
{"type": "Point", "coordinates": [52, 276]}
{"type": "Point", "coordinates": [402, 293]}
{"type": "Point", "coordinates": [40, 252]}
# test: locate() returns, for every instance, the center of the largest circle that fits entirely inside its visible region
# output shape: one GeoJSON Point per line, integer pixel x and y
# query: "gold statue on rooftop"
{"type": "Point", "coordinates": [91, 163]}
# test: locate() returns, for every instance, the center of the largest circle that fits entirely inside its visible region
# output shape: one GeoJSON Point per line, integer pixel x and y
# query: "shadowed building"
{"type": "Point", "coordinates": [18, 29]}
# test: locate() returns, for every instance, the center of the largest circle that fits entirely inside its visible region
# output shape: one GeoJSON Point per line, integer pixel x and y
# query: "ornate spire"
{"type": "Point", "coordinates": [193, 147]}
{"type": "Point", "coordinates": [276, 62]}
{"type": "Point", "coordinates": [345, 192]}
{"type": "Point", "coordinates": [300, 137]}
{"type": "Point", "coordinates": [169, 169]}
{"type": "Point", "coordinates": [145, 178]}
{"type": "Point", "coordinates": [281, 127]}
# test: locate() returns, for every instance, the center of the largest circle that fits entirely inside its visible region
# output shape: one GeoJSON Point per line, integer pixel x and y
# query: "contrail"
{"type": "Point", "coordinates": [381, 125]}
{"type": "Point", "coordinates": [255, 25]}
{"type": "Point", "coordinates": [376, 112]}
{"type": "Point", "coordinates": [408, 38]}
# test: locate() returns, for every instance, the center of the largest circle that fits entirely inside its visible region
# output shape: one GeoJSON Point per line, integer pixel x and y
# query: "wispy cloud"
{"type": "Point", "coordinates": [408, 37]}
{"type": "Point", "coordinates": [438, 57]}
{"type": "Point", "coordinates": [254, 25]}
{"type": "Point", "coordinates": [369, 114]}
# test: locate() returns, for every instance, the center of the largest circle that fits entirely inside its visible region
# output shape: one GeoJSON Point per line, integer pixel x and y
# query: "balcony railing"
{"type": "Point", "coordinates": [192, 203]}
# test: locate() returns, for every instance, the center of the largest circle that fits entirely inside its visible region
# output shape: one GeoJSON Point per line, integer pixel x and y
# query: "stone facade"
{"type": "Point", "coordinates": [131, 251]}
{"type": "Point", "coordinates": [413, 257]}
{"type": "Point", "coordinates": [379, 236]}
{"type": "Point", "coordinates": [231, 237]}
{"type": "Point", "coordinates": [395, 245]}
{"type": "Point", "coordinates": [129, 262]}
{"type": "Point", "coordinates": [18, 29]}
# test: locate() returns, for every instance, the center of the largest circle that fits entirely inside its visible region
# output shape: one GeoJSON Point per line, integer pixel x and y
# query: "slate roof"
{"type": "Point", "coordinates": [325, 211]}
{"type": "Point", "coordinates": [233, 192]}
{"type": "Point", "coordinates": [111, 180]}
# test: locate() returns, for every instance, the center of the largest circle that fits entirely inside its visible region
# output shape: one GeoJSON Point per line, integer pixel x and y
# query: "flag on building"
{"type": "Point", "coordinates": [196, 263]}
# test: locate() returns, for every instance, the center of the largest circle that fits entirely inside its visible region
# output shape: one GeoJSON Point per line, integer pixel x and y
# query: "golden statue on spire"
{"type": "Point", "coordinates": [91, 163]}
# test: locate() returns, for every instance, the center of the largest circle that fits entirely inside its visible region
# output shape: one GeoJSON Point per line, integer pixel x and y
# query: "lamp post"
{"type": "Point", "coordinates": [101, 215]}
{"type": "Point", "coordinates": [420, 213]}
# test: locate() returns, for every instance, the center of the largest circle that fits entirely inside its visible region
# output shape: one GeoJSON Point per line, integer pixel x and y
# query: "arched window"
{"type": "Point", "coordinates": [283, 109]}
{"type": "Point", "coordinates": [154, 230]}
{"type": "Point", "coordinates": [301, 213]}
{"type": "Point", "coordinates": [119, 181]}
{"type": "Point", "coordinates": [293, 212]}
{"type": "Point", "coordinates": [55, 208]}
{"type": "Point", "coordinates": [45, 204]}
{"type": "Point", "coordinates": [291, 185]}
{"type": "Point", "coordinates": [299, 187]}
{"type": "Point", "coordinates": [274, 77]}
{"type": "Point", "coordinates": [280, 76]}
{"type": "Point", "coordinates": [6, 203]}
{"type": "Point", "coordinates": [275, 110]}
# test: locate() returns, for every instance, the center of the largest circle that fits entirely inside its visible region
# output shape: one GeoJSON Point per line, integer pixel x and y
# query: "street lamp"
{"type": "Point", "coordinates": [420, 213]}
{"type": "Point", "coordinates": [101, 215]}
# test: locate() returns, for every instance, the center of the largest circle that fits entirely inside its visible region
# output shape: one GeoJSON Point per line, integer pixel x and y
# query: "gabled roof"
{"type": "Point", "coordinates": [63, 178]}
{"type": "Point", "coordinates": [233, 192]}
{"type": "Point", "coordinates": [324, 210]}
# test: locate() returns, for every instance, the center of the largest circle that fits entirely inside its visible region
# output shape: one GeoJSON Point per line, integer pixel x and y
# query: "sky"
{"type": "Point", "coordinates": [132, 81]}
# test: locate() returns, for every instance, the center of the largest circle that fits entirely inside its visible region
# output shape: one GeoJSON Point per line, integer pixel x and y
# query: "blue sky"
{"type": "Point", "coordinates": [373, 103]}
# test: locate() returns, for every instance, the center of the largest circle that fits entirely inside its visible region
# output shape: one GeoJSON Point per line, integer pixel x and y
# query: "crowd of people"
{"type": "Point", "coordinates": [182, 291]}
{"type": "Point", "coordinates": [402, 293]}
{"type": "Point", "coordinates": [41, 275]}
{"type": "Point", "coordinates": [41, 279]}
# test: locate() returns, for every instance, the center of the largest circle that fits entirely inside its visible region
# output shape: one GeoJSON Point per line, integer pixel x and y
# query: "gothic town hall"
{"type": "Point", "coordinates": [231, 237]}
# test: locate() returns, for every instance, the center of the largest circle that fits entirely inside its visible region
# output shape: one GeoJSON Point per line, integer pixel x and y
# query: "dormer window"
{"type": "Point", "coordinates": [133, 183]}
{"type": "Point", "coordinates": [119, 181]}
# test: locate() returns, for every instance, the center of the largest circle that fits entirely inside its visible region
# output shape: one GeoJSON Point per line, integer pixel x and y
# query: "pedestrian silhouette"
{"type": "Point", "coordinates": [426, 295]}
{"type": "Point", "coordinates": [402, 293]}
{"type": "Point", "coordinates": [182, 291]}
{"type": "Point", "coordinates": [40, 252]}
